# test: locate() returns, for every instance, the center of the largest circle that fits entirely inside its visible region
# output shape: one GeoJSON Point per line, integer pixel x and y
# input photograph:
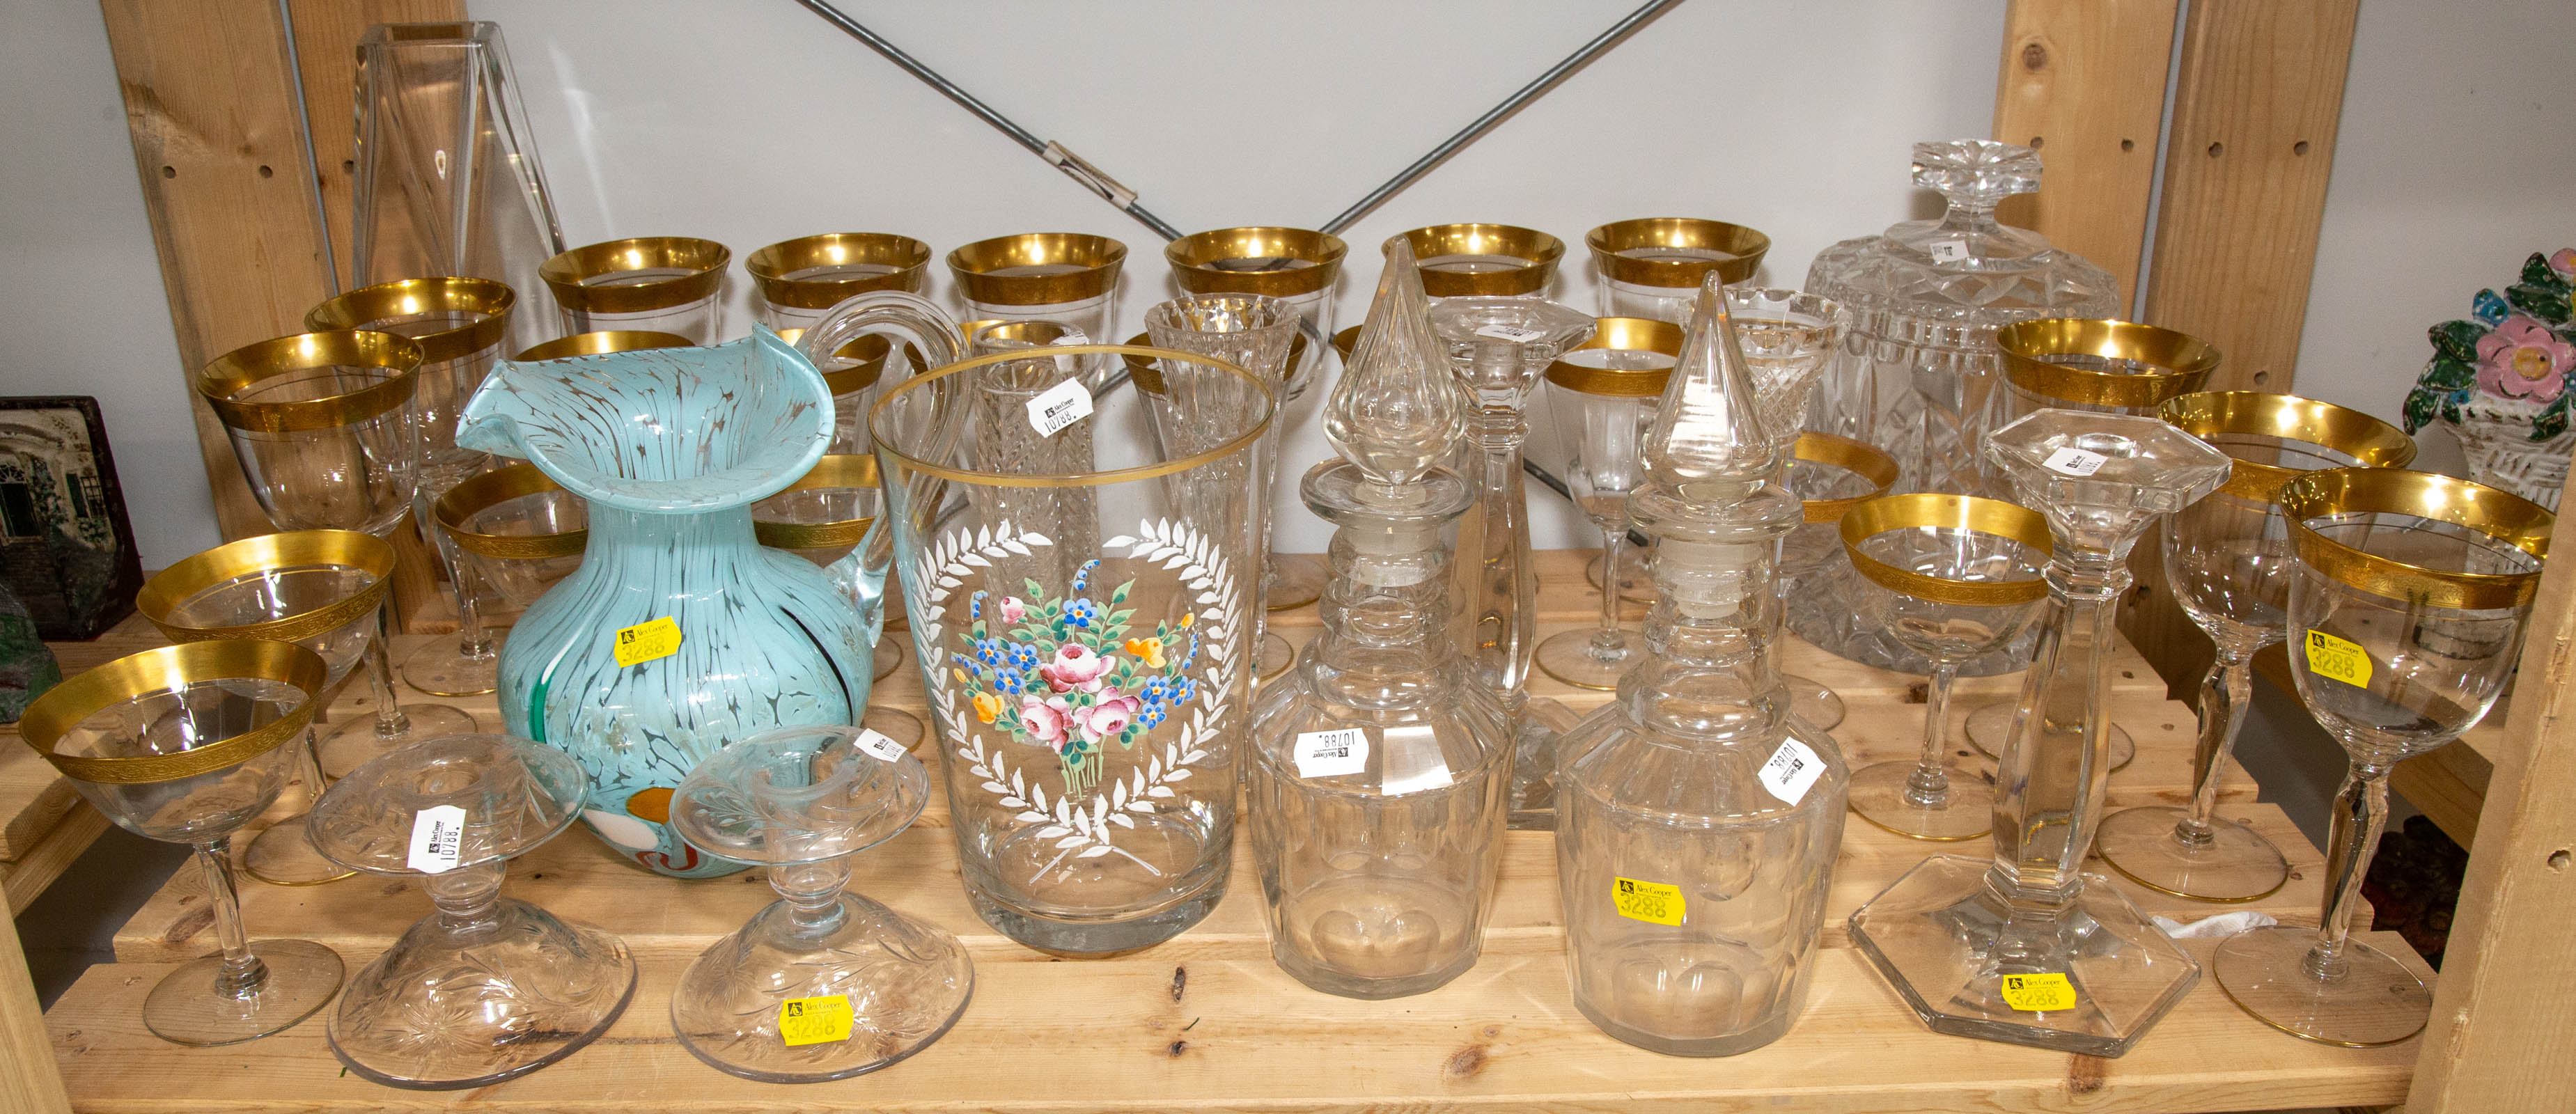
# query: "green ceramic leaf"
{"type": "Point", "coordinates": [2546, 303]}
{"type": "Point", "coordinates": [2457, 339]}
{"type": "Point", "coordinates": [2537, 272]}
{"type": "Point", "coordinates": [2552, 421]}
{"type": "Point", "coordinates": [2421, 405]}
{"type": "Point", "coordinates": [2447, 375]}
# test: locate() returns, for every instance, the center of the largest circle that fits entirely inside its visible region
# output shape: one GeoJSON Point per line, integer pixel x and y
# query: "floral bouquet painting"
{"type": "Point", "coordinates": [1067, 674]}
{"type": "Point", "coordinates": [2499, 380]}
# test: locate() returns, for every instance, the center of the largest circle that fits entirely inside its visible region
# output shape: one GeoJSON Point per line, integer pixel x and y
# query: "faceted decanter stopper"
{"type": "Point", "coordinates": [1396, 414]}
{"type": "Point", "coordinates": [1979, 172]}
{"type": "Point", "coordinates": [1707, 445]}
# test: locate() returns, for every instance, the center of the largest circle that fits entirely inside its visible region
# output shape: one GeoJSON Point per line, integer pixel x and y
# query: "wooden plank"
{"type": "Point", "coordinates": [33, 1084]}
{"type": "Point", "coordinates": [26, 879]}
{"type": "Point", "coordinates": [2083, 81]}
{"type": "Point", "coordinates": [2516, 1049]}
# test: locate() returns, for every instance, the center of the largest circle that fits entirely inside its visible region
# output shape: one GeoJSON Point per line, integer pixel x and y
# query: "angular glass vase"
{"type": "Point", "coordinates": [680, 632]}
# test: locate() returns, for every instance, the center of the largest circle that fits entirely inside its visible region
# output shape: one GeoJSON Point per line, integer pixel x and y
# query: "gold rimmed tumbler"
{"type": "Point", "coordinates": [185, 744]}
{"type": "Point", "coordinates": [2227, 560]}
{"type": "Point", "coordinates": [601, 343]}
{"type": "Point", "coordinates": [1472, 260]}
{"type": "Point", "coordinates": [669, 284]}
{"type": "Point", "coordinates": [460, 325]}
{"type": "Point", "coordinates": [1951, 577]}
{"type": "Point", "coordinates": [799, 281]}
{"type": "Point", "coordinates": [2406, 617]}
{"type": "Point", "coordinates": [1652, 266]}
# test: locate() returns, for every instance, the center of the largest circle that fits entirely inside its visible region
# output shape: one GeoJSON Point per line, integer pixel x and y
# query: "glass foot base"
{"type": "Point", "coordinates": [1988, 725]}
{"type": "Point", "coordinates": [283, 855]}
{"type": "Point", "coordinates": [2374, 1001]}
{"type": "Point", "coordinates": [888, 657]}
{"type": "Point", "coordinates": [440, 1011]}
{"type": "Point", "coordinates": [1293, 580]}
{"type": "Point", "coordinates": [1275, 657]}
{"type": "Point", "coordinates": [1534, 765]}
{"type": "Point", "coordinates": [1096, 939]}
{"type": "Point", "coordinates": [184, 1008]}
{"type": "Point", "coordinates": [905, 983]}
{"type": "Point", "coordinates": [357, 742]}
{"type": "Point", "coordinates": [2237, 864]}
{"type": "Point", "coordinates": [1821, 707]}
{"type": "Point", "coordinates": [1572, 658]}
{"type": "Point", "coordinates": [1635, 585]}
{"type": "Point", "coordinates": [1947, 943]}
{"type": "Point", "coordinates": [1967, 810]}
{"type": "Point", "coordinates": [443, 668]}
{"type": "Point", "coordinates": [896, 724]}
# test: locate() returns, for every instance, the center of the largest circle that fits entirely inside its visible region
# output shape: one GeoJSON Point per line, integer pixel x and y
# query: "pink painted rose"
{"type": "Point", "coordinates": [1076, 666]}
{"type": "Point", "coordinates": [1048, 721]}
{"type": "Point", "coordinates": [1110, 716]}
{"type": "Point", "coordinates": [2523, 359]}
{"type": "Point", "coordinates": [1013, 609]}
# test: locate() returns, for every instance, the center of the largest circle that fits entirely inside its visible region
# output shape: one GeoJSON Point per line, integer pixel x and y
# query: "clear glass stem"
{"type": "Point", "coordinates": [2360, 814]}
{"type": "Point", "coordinates": [1930, 784]}
{"type": "Point", "coordinates": [460, 588]}
{"type": "Point", "coordinates": [390, 720]}
{"type": "Point", "coordinates": [812, 892]}
{"type": "Point", "coordinates": [308, 766]}
{"type": "Point", "coordinates": [2054, 763]}
{"type": "Point", "coordinates": [243, 974]}
{"type": "Point", "coordinates": [2225, 693]}
{"type": "Point", "coordinates": [1609, 640]}
{"type": "Point", "coordinates": [466, 897]}
{"type": "Point", "coordinates": [1504, 607]}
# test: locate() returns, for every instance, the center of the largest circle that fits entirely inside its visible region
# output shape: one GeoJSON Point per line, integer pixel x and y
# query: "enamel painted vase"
{"type": "Point", "coordinates": [679, 633]}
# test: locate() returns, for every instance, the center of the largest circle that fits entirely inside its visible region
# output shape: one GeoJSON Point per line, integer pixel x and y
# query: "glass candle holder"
{"type": "Point", "coordinates": [185, 744]}
{"type": "Point", "coordinates": [1652, 266]}
{"type": "Point", "coordinates": [667, 284]}
{"type": "Point", "coordinates": [1492, 260]}
{"type": "Point", "coordinates": [799, 280]}
{"type": "Point", "coordinates": [1082, 620]}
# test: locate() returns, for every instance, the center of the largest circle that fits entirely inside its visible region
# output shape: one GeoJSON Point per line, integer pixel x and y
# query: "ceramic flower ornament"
{"type": "Point", "coordinates": [2499, 380]}
{"type": "Point", "coordinates": [2523, 359]}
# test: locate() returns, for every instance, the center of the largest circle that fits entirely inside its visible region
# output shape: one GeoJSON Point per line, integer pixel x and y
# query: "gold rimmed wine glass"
{"type": "Point", "coordinates": [316, 588]}
{"type": "Point", "coordinates": [1951, 577]}
{"type": "Point", "coordinates": [2227, 559]}
{"type": "Point", "coordinates": [1830, 475]}
{"type": "Point", "coordinates": [2406, 617]}
{"type": "Point", "coordinates": [827, 518]}
{"type": "Point", "coordinates": [185, 744]}
{"type": "Point", "coordinates": [1602, 395]}
{"type": "Point", "coordinates": [460, 324]}
{"type": "Point", "coordinates": [324, 425]}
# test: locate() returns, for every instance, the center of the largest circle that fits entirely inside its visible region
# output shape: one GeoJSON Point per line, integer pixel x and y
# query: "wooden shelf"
{"type": "Point", "coordinates": [1207, 1021]}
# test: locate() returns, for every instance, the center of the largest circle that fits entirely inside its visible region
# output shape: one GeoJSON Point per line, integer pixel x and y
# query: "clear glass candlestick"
{"type": "Point", "coordinates": [2227, 559]}
{"type": "Point", "coordinates": [2028, 949]}
{"type": "Point", "coordinates": [1698, 820]}
{"type": "Point", "coordinates": [2406, 617]}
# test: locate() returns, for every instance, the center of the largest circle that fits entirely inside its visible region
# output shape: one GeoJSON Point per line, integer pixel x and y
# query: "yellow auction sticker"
{"type": "Point", "coordinates": [2337, 659]}
{"type": "Point", "coordinates": [2039, 993]}
{"type": "Point", "coordinates": [645, 642]}
{"type": "Point", "coordinates": [814, 1020]}
{"type": "Point", "coordinates": [1651, 902]}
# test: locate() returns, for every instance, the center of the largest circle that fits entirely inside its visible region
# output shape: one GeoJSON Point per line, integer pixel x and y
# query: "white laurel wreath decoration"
{"type": "Point", "coordinates": [1085, 829]}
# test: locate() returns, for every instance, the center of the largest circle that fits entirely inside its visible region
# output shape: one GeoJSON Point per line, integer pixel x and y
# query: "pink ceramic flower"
{"type": "Point", "coordinates": [1075, 666]}
{"type": "Point", "coordinates": [1048, 721]}
{"type": "Point", "coordinates": [1013, 610]}
{"type": "Point", "coordinates": [2523, 359]}
{"type": "Point", "coordinates": [2563, 261]}
{"type": "Point", "coordinates": [1112, 715]}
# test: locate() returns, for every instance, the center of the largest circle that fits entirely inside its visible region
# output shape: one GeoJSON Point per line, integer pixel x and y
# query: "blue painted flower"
{"type": "Point", "coordinates": [1024, 657]}
{"type": "Point", "coordinates": [1155, 692]}
{"type": "Point", "coordinates": [1151, 717]}
{"type": "Point", "coordinates": [975, 607]}
{"type": "Point", "coordinates": [1189, 688]}
{"type": "Point", "coordinates": [1009, 680]}
{"type": "Point", "coordinates": [1081, 613]}
{"type": "Point", "coordinates": [989, 651]}
{"type": "Point", "coordinates": [1082, 576]}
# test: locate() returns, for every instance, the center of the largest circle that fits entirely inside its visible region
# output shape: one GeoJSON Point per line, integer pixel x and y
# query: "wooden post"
{"type": "Point", "coordinates": [32, 1083]}
{"type": "Point", "coordinates": [2083, 81]}
{"type": "Point", "coordinates": [2516, 1051]}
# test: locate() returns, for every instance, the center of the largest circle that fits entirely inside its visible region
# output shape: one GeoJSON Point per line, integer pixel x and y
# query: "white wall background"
{"type": "Point", "coordinates": [751, 121]}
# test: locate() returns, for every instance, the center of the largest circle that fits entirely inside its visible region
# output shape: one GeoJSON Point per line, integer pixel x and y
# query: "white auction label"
{"type": "Point", "coordinates": [1331, 753]}
{"type": "Point", "coordinates": [1791, 771]}
{"type": "Point", "coordinates": [1949, 251]}
{"type": "Point", "coordinates": [437, 838]}
{"type": "Point", "coordinates": [880, 744]}
{"type": "Point", "coordinates": [1060, 406]}
{"type": "Point", "coordinates": [1514, 335]}
{"type": "Point", "coordinates": [2072, 461]}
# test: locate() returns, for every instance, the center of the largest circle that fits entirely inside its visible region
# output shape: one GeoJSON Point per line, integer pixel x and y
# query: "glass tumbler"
{"type": "Point", "coordinates": [601, 343]}
{"type": "Point", "coordinates": [1086, 654]}
{"type": "Point", "coordinates": [666, 284]}
{"type": "Point", "coordinates": [1491, 260]}
{"type": "Point", "coordinates": [1066, 277]}
{"type": "Point", "coordinates": [1652, 266]}
{"type": "Point", "coordinates": [799, 281]}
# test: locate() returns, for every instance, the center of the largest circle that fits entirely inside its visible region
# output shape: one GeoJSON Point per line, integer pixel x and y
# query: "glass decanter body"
{"type": "Point", "coordinates": [1380, 764]}
{"type": "Point", "coordinates": [1498, 347]}
{"type": "Point", "coordinates": [1698, 820]}
{"type": "Point", "coordinates": [1926, 298]}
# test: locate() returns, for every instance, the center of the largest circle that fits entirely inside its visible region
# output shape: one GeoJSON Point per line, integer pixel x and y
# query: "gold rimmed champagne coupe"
{"type": "Point", "coordinates": [319, 589]}
{"type": "Point", "coordinates": [2227, 559]}
{"type": "Point", "coordinates": [1951, 577]}
{"type": "Point", "coordinates": [324, 427]}
{"type": "Point", "coordinates": [2406, 618]}
{"type": "Point", "coordinates": [460, 325]}
{"type": "Point", "coordinates": [185, 744]}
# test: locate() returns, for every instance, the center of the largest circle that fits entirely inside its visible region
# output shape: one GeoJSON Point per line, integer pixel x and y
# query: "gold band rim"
{"type": "Point", "coordinates": [1538, 251]}
{"type": "Point", "coordinates": [2501, 515]}
{"type": "Point", "coordinates": [1192, 258]}
{"type": "Point", "coordinates": [1748, 246]}
{"type": "Point", "coordinates": [568, 274]}
{"type": "Point", "coordinates": [1961, 512]}
{"type": "Point", "coordinates": [1860, 458]}
{"type": "Point", "coordinates": [834, 470]}
{"type": "Point", "coordinates": [1100, 258]}
{"type": "Point", "coordinates": [770, 265]}
{"type": "Point", "coordinates": [479, 493]}
{"type": "Point", "coordinates": [885, 448]}
{"type": "Point", "coordinates": [2182, 361]}
{"type": "Point", "coordinates": [168, 589]}
{"type": "Point", "coordinates": [229, 373]}
{"type": "Point", "coordinates": [1625, 334]}
{"type": "Point", "coordinates": [2207, 414]}
{"type": "Point", "coordinates": [360, 308]}
{"type": "Point", "coordinates": [600, 343]}
{"type": "Point", "coordinates": [169, 669]}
